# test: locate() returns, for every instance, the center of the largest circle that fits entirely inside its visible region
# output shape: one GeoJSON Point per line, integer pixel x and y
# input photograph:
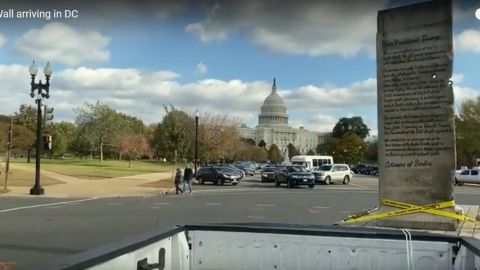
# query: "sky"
{"type": "Point", "coordinates": [217, 57]}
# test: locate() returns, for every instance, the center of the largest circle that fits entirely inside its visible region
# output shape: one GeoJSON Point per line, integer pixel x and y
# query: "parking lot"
{"type": "Point", "coordinates": [253, 182]}
{"type": "Point", "coordinates": [358, 182]}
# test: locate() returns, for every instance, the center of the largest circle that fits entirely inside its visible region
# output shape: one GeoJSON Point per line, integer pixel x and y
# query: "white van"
{"type": "Point", "coordinates": [311, 162]}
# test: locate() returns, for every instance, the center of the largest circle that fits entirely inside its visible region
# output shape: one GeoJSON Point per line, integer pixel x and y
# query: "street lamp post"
{"type": "Point", "coordinates": [42, 92]}
{"type": "Point", "coordinates": [196, 139]}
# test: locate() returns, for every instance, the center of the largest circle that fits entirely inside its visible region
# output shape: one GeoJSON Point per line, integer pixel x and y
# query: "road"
{"type": "Point", "coordinates": [36, 230]}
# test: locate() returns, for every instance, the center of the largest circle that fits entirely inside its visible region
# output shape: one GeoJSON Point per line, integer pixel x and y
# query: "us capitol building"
{"type": "Point", "coordinates": [273, 127]}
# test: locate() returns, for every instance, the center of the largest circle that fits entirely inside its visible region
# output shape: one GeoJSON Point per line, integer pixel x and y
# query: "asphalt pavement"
{"type": "Point", "coordinates": [36, 230]}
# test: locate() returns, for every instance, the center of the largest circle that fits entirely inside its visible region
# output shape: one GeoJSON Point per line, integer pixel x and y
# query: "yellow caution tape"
{"type": "Point", "coordinates": [408, 208]}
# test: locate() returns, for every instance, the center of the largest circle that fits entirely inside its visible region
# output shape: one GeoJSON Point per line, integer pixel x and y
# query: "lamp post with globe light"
{"type": "Point", "coordinates": [42, 92]}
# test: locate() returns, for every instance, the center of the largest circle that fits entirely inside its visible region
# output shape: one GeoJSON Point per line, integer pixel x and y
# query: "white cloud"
{"type": "Point", "coordinates": [143, 94]}
{"type": "Point", "coordinates": [214, 33]}
{"type": "Point", "coordinates": [314, 98]}
{"type": "Point", "coordinates": [457, 78]}
{"type": "Point", "coordinates": [201, 69]}
{"type": "Point", "coordinates": [463, 92]}
{"type": "Point", "coordinates": [205, 35]}
{"type": "Point", "coordinates": [109, 78]}
{"type": "Point", "coordinates": [15, 88]}
{"type": "Point", "coordinates": [59, 42]}
{"type": "Point", "coordinates": [3, 39]}
{"type": "Point", "coordinates": [468, 41]}
{"type": "Point", "coordinates": [313, 28]}
{"type": "Point", "coordinates": [317, 122]}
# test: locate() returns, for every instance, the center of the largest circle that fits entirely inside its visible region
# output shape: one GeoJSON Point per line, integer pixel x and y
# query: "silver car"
{"type": "Point", "coordinates": [329, 174]}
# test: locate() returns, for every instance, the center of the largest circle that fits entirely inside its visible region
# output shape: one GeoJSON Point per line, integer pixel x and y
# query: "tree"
{"type": "Point", "coordinates": [98, 122]}
{"type": "Point", "coordinates": [132, 133]}
{"type": "Point", "coordinates": [262, 144]}
{"type": "Point", "coordinates": [3, 136]}
{"type": "Point", "coordinates": [292, 151]}
{"type": "Point", "coordinates": [149, 134]}
{"type": "Point", "coordinates": [175, 133]}
{"type": "Point", "coordinates": [348, 149]}
{"type": "Point", "coordinates": [371, 154]}
{"type": "Point", "coordinates": [467, 131]}
{"type": "Point", "coordinates": [98, 128]}
{"type": "Point", "coordinates": [157, 141]}
{"type": "Point", "coordinates": [274, 154]}
{"type": "Point", "coordinates": [219, 138]}
{"type": "Point", "coordinates": [4, 118]}
{"type": "Point", "coordinates": [311, 152]}
{"type": "Point", "coordinates": [322, 149]}
{"type": "Point", "coordinates": [347, 125]}
{"type": "Point", "coordinates": [133, 146]}
{"type": "Point", "coordinates": [27, 118]}
{"type": "Point", "coordinates": [250, 141]}
{"type": "Point", "coordinates": [62, 136]}
{"type": "Point", "coordinates": [247, 151]}
{"type": "Point", "coordinates": [83, 143]}
{"type": "Point", "coordinates": [22, 139]}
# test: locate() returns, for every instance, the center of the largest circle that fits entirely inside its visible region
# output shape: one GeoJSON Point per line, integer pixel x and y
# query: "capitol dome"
{"type": "Point", "coordinates": [273, 111]}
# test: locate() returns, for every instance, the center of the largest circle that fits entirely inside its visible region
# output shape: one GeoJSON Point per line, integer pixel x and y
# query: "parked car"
{"type": "Point", "coordinates": [268, 174]}
{"type": "Point", "coordinates": [329, 174]}
{"type": "Point", "coordinates": [217, 175]}
{"type": "Point", "coordinates": [468, 176]}
{"type": "Point", "coordinates": [373, 171]}
{"type": "Point", "coordinates": [294, 175]}
{"type": "Point", "coordinates": [260, 166]}
{"type": "Point", "coordinates": [247, 169]}
{"type": "Point", "coordinates": [367, 169]}
{"type": "Point", "coordinates": [358, 168]}
{"type": "Point", "coordinates": [232, 167]}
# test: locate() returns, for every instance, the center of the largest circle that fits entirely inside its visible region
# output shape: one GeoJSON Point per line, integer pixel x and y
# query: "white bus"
{"type": "Point", "coordinates": [311, 162]}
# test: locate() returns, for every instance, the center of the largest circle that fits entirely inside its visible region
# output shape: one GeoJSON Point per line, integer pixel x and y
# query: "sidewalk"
{"type": "Point", "coordinates": [125, 186]}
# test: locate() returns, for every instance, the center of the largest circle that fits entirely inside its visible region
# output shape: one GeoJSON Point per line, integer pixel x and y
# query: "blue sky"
{"type": "Point", "coordinates": [217, 57]}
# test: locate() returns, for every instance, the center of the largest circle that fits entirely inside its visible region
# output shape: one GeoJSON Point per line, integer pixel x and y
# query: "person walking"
{"type": "Point", "coordinates": [187, 178]}
{"type": "Point", "coordinates": [178, 181]}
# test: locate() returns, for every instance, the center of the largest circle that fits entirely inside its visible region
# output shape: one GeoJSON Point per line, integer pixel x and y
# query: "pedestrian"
{"type": "Point", "coordinates": [187, 178]}
{"type": "Point", "coordinates": [178, 181]}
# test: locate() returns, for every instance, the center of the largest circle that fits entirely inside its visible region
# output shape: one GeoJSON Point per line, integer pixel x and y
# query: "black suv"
{"type": "Point", "coordinates": [294, 176]}
{"type": "Point", "coordinates": [217, 175]}
{"type": "Point", "coordinates": [268, 173]}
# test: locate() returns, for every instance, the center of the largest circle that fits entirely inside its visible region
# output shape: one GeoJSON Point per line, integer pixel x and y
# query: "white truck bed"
{"type": "Point", "coordinates": [280, 246]}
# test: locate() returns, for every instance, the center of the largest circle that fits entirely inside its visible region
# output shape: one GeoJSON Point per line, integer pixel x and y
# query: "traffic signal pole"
{"type": "Point", "coordinates": [47, 121]}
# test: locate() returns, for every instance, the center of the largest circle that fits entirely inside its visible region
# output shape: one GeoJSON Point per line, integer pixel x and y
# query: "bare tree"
{"type": "Point", "coordinates": [218, 137]}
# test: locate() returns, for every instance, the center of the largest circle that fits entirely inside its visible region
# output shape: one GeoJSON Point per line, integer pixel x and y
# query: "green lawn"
{"type": "Point", "coordinates": [94, 169]}
{"type": "Point", "coordinates": [19, 177]}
